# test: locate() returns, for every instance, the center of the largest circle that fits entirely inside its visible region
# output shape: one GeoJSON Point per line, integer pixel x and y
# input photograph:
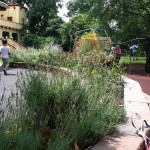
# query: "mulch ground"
{"type": "Point", "coordinates": [137, 73]}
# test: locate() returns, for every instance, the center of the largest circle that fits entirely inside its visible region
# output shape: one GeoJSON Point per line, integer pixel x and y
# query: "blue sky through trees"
{"type": "Point", "coordinates": [63, 11]}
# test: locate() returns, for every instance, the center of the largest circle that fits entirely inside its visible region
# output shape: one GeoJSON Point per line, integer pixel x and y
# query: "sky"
{"type": "Point", "coordinates": [63, 11]}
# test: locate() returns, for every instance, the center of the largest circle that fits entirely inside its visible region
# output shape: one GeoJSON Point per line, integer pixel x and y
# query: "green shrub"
{"type": "Point", "coordinates": [33, 40]}
{"type": "Point", "coordinates": [18, 140]}
{"type": "Point", "coordinates": [81, 108]}
{"type": "Point", "coordinates": [69, 107]}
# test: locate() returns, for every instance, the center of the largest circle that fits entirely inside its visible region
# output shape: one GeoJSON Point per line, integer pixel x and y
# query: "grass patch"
{"type": "Point", "coordinates": [126, 60]}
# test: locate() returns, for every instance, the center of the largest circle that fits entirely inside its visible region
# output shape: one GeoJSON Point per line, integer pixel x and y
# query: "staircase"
{"type": "Point", "coordinates": [14, 45]}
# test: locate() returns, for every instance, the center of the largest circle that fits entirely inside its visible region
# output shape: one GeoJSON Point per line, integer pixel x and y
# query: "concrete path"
{"type": "Point", "coordinates": [7, 88]}
{"type": "Point", "coordinates": [7, 82]}
{"type": "Point", "coordinates": [125, 137]}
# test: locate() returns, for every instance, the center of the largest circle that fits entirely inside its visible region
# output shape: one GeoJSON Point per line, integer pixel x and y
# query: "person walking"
{"type": "Point", "coordinates": [133, 49]}
{"type": "Point", "coordinates": [5, 53]}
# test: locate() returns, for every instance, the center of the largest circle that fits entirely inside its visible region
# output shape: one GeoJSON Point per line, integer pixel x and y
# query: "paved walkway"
{"type": "Point", "coordinates": [7, 82]}
{"type": "Point", "coordinates": [7, 85]}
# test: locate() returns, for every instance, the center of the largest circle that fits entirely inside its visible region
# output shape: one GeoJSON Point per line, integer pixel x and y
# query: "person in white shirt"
{"type": "Point", "coordinates": [5, 53]}
{"type": "Point", "coordinates": [112, 50]}
{"type": "Point", "coordinates": [133, 49]}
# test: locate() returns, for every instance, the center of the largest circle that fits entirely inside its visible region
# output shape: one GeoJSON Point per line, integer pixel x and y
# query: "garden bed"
{"type": "Point", "coordinates": [61, 111]}
{"type": "Point", "coordinates": [18, 65]}
{"type": "Point", "coordinates": [49, 68]}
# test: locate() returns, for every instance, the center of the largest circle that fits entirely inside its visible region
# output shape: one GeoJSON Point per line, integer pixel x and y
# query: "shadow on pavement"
{"type": "Point", "coordinates": [9, 74]}
{"type": "Point", "coordinates": [135, 69]}
{"type": "Point", "coordinates": [1, 69]}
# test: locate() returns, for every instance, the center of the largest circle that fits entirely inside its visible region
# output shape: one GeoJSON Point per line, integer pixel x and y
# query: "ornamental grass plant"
{"type": "Point", "coordinates": [54, 112]}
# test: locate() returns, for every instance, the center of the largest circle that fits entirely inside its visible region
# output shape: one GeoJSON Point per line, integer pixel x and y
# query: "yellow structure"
{"type": "Point", "coordinates": [91, 36]}
{"type": "Point", "coordinates": [98, 41]}
{"type": "Point", "coordinates": [11, 21]}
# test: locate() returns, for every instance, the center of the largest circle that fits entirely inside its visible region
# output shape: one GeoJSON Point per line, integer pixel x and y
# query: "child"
{"type": "Point", "coordinates": [112, 50]}
{"type": "Point", "coordinates": [5, 53]}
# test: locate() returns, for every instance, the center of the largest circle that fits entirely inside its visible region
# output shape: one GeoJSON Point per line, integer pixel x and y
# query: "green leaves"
{"type": "Point", "coordinates": [123, 17]}
{"type": "Point", "coordinates": [69, 30]}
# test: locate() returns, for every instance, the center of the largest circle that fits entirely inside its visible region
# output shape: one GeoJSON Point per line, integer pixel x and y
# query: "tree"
{"type": "Point", "coordinates": [124, 18]}
{"type": "Point", "coordinates": [40, 13]}
{"type": "Point", "coordinates": [78, 22]}
{"type": "Point", "coordinates": [53, 28]}
{"type": "Point", "coordinates": [32, 40]}
{"type": "Point", "coordinates": [30, 4]}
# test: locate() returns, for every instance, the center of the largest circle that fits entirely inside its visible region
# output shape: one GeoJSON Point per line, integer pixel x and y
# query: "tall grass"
{"type": "Point", "coordinates": [53, 111]}
{"type": "Point", "coordinates": [69, 109]}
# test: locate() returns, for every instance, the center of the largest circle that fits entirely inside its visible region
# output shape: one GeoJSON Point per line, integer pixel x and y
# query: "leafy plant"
{"type": "Point", "coordinates": [55, 111]}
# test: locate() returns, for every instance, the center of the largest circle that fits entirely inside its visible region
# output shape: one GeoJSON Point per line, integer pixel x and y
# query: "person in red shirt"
{"type": "Point", "coordinates": [117, 53]}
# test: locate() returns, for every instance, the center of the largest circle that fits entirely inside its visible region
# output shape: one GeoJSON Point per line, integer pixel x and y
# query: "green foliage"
{"type": "Point", "coordinates": [0, 61]}
{"type": "Point", "coordinates": [139, 61]}
{"type": "Point", "coordinates": [48, 40]}
{"type": "Point", "coordinates": [69, 107]}
{"type": "Point", "coordinates": [31, 56]}
{"type": "Point", "coordinates": [32, 40]}
{"type": "Point", "coordinates": [41, 15]}
{"type": "Point", "coordinates": [50, 100]}
{"type": "Point", "coordinates": [51, 55]}
{"type": "Point", "coordinates": [68, 30]}
{"type": "Point", "coordinates": [54, 27]}
{"type": "Point", "coordinates": [18, 140]}
{"type": "Point", "coordinates": [127, 18]}
{"type": "Point", "coordinates": [81, 108]}
{"type": "Point", "coordinates": [16, 57]}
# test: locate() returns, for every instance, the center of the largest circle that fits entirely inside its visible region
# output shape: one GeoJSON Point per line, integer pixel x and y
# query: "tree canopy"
{"type": "Point", "coordinates": [78, 22]}
{"type": "Point", "coordinates": [40, 14]}
{"type": "Point", "coordinates": [124, 18]}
